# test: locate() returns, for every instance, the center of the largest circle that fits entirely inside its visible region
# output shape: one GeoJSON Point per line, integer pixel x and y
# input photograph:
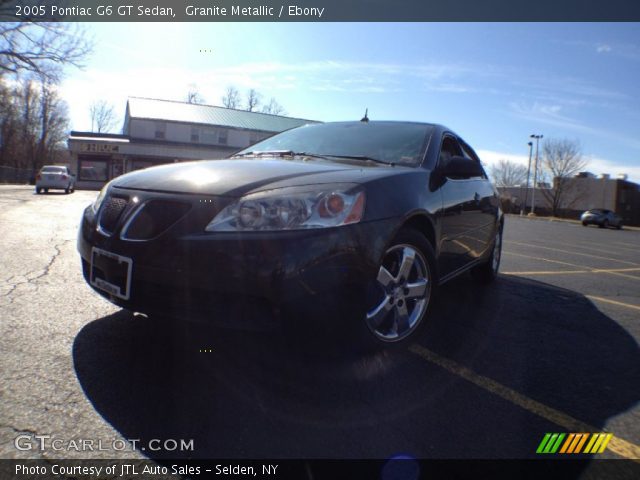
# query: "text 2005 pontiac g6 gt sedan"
{"type": "Point", "coordinates": [347, 225]}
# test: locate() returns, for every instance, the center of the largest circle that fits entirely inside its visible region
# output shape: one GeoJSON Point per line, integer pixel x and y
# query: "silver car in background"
{"type": "Point", "coordinates": [57, 177]}
{"type": "Point", "coordinates": [601, 217]}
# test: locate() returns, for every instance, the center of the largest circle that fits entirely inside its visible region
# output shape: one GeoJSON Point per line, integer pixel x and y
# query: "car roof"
{"type": "Point", "coordinates": [437, 128]}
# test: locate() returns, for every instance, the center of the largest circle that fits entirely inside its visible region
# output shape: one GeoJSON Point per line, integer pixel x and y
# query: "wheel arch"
{"type": "Point", "coordinates": [423, 224]}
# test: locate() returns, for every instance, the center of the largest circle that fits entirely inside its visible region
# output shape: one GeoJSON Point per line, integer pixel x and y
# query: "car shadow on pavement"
{"type": "Point", "coordinates": [249, 395]}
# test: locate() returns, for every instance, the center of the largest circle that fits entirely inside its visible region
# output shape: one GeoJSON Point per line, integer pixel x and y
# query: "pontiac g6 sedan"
{"type": "Point", "coordinates": [346, 226]}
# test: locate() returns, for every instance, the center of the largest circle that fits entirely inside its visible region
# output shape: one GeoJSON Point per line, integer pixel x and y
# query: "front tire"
{"type": "Point", "coordinates": [399, 297]}
{"type": "Point", "coordinates": [487, 272]}
{"type": "Point", "coordinates": [38, 190]}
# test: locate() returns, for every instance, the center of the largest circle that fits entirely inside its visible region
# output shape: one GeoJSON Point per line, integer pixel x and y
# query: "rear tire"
{"type": "Point", "coordinates": [487, 272]}
{"type": "Point", "coordinates": [67, 190]}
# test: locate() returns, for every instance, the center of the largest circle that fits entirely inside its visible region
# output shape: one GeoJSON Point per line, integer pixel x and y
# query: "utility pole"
{"type": "Point", "coordinates": [535, 174]}
{"type": "Point", "coordinates": [526, 192]}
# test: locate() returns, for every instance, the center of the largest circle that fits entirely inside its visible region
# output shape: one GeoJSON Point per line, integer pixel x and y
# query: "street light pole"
{"type": "Point", "coordinates": [535, 174]}
{"type": "Point", "coordinates": [526, 192]}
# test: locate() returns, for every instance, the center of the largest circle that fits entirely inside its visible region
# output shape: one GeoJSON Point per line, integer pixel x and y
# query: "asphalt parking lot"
{"type": "Point", "coordinates": [552, 346]}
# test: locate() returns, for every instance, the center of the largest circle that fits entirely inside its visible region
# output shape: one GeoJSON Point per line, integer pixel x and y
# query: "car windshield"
{"type": "Point", "coordinates": [388, 142]}
{"type": "Point", "coordinates": [53, 169]}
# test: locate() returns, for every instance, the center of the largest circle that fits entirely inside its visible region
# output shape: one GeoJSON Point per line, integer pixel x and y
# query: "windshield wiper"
{"type": "Point", "coordinates": [291, 153]}
{"type": "Point", "coordinates": [363, 157]}
{"type": "Point", "coordinates": [277, 153]}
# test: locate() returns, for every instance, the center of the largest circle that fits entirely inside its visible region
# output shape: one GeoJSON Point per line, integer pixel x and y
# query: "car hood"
{"type": "Point", "coordinates": [241, 176]}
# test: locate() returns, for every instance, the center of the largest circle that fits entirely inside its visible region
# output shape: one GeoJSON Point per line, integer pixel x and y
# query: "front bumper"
{"type": "Point", "coordinates": [188, 273]}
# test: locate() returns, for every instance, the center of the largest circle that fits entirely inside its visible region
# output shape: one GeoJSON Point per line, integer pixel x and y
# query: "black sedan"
{"type": "Point", "coordinates": [348, 227]}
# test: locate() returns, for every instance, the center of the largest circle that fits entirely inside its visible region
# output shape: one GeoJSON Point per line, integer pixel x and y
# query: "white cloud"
{"type": "Point", "coordinates": [491, 157]}
{"type": "Point", "coordinates": [600, 165]}
{"type": "Point", "coordinates": [269, 78]}
{"type": "Point", "coordinates": [603, 48]}
{"type": "Point", "coordinates": [551, 115]}
{"type": "Point", "coordinates": [596, 165]}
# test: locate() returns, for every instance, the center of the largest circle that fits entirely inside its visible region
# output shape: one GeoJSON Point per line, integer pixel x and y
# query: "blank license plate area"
{"type": "Point", "coordinates": [111, 273]}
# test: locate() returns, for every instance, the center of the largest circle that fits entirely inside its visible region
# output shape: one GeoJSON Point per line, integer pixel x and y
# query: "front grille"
{"type": "Point", "coordinates": [154, 218]}
{"type": "Point", "coordinates": [111, 212]}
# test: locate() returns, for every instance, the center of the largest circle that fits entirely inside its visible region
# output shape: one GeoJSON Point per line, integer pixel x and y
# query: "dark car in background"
{"type": "Point", "coordinates": [345, 226]}
{"type": "Point", "coordinates": [601, 217]}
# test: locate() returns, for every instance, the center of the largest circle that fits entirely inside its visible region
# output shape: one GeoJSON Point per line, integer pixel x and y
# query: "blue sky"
{"type": "Point", "coordinates": [493, 83]}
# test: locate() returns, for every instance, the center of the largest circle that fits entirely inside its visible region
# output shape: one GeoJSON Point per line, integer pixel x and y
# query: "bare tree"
{"type": "Point", "coordinates": [506, 173]}
{"type": "Point", "coordinates": [253, 100]}
{"type": "Point", "coordinates": [193, 95]}
{"type": "Point", "coordinates": [33, 123]}
{"type": "Point", "coordinates": [103, 117]}
{"type": "Point", "coordinates": [562, 159]}
{"type": "Point", "coordinates": [53, 123]}
{"type": "Point", "coordinates": [231, 98]}
{"type": "Point", "coordinates": [42, 48]}
{"type": "Point", "coordinates": [274, 108]}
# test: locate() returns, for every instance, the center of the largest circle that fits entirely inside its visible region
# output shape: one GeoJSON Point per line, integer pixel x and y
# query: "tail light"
{"type": "Point", "coordinates": [64, 177]}
{"type": "Point", "coordinates": [38, 177]}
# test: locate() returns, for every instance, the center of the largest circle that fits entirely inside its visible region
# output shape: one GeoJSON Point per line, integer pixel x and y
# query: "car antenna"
{"type": "Point", "coordinates": [365, 119]}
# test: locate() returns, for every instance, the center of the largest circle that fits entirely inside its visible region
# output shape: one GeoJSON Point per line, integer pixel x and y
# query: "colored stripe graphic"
{"type": "Point", "coordinates": [543, 443]}
{"type": "Point", "coordinates": [592, 440]}
{"type": "Point", "coordinates": [555, 447]}
{"type": "Point", "coordinates": [605, 443]}
{"type": "Point", "coordinates": [550, 443]}
{"type": "Point", "coordinates": [580, 443]}
{"type": "Point", "coordinates": [553, 443]}
{"type": "Point", "coordinates": [567, 442]}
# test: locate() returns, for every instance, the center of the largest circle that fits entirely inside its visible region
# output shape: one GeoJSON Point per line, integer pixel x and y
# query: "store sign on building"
{"type": "Point", "coordinates": [98, 147]}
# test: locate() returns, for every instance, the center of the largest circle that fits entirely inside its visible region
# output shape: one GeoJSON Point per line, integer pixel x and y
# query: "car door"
{"type": "Point", "coordinates": [468, 207]}
{"type": "Point", "coordinates": [488, 203]}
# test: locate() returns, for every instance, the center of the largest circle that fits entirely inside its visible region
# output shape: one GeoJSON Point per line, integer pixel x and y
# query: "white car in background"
{"type": "Point", "coordinates": [55, 177]}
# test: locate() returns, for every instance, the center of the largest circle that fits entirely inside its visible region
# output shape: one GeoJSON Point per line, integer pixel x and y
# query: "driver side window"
{"type": "Point", "coordinates": [450, 148]}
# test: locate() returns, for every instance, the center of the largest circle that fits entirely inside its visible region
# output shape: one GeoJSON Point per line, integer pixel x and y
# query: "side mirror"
{"type": "Point", "coordinates": [461, 167]}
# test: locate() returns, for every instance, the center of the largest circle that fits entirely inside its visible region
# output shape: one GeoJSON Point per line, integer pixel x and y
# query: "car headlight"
{"type": "Point", "coordinates": [292, 208]}
{"type": "Point", "coordinates": [95, 206]}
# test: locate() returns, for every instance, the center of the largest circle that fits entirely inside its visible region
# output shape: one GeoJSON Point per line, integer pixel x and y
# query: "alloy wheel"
{"type": "Point", "coordinates": [402, 293]}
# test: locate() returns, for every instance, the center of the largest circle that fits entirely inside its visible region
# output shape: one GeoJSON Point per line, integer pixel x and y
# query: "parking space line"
{"type": "Point", "coordinates": [548, 272]}
{"type": "Point", "coordinates": [559, 262]}
{"type": "Point", "coordinates": [617, 445]}
{"type": "Point", "coordinates": [610, 271]}
{"type": "Point", "coordinates": [584, 247]}
{"type": "Point", "coordinates": [575, 253]}
{"type": "Point", "coordinates": [613, 302]}
{"type": "Point", "coordinates": [635, 247]}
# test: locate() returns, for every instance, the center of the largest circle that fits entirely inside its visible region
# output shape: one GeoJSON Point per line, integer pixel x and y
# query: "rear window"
{"type": "Point", "coordinates": [54, 169]}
